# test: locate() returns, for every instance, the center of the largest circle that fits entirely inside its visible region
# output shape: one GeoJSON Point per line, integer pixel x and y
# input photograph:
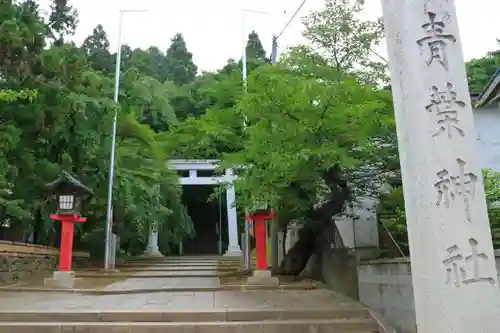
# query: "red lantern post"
{"type": "Point", "coordinates": [261, 275]}
{"type": "Point", "coordinates": [259, 222]}
{"type": "Point", "coordinates": [67, 231]}
{"type": "Point", "coordinates": [69, 193]}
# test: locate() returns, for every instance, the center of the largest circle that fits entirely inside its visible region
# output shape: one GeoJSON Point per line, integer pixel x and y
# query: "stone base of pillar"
{"type": "Point", "coordinates": [233, 251]}
{"type": "Point", "coordinates": [152, 252]}
{"type": "Point", "coordinates": [61, 280]}
{"type": "Point", "coordinates": [262, 277]}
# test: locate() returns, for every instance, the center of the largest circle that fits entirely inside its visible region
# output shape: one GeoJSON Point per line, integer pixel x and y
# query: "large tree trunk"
{"type": "Point", "coordinates": [297, 257]}
{"type": "Point", "coordinates": [317, 220]}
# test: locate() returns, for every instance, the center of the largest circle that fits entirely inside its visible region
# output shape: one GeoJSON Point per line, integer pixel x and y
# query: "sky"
{"type": "Point", "coordinates": [213, 29]}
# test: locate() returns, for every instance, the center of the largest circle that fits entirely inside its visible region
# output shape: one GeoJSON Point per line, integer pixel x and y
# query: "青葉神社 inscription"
{"type": "Point", "coordinates": [436, 40]}
{"type": "Point", "coordinates": [444, 103]}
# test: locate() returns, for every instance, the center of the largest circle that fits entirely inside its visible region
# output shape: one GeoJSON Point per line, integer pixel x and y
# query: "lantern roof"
{"type": "Point", "coordinates": [66, 182]}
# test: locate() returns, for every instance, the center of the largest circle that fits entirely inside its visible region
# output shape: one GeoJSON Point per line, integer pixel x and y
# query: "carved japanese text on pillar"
{"type": "Point", "coordinates": [449, 187]}
{"type": "Point", "coordinates": [446, 106]}
{"type": "Point", "coordinates": [436, 40]}
{"type": "Point", "coordinates": [465, 269]}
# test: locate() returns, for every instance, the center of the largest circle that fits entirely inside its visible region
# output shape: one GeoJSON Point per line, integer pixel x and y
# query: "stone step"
{"type": "Point", "coordinates": [127, 290]}
{"type": "Point", "coordinates": [177, 269]}
{"type": "Point", "coordinates": [152, 275]}
{"type": "Point", "coordinates": [214, 315]}
{"type": "Point", "coordinates": [268, 326]}
{"type": "Point", "coordinates": [175, 264]}
{"type": "Point", "coordinates": [199, 258]}
{"type": "Point", "coordinates": [184, 260]}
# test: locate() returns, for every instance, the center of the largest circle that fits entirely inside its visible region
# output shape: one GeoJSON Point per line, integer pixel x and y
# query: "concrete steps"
{"type": "Point", "coordinates": [205, 309]}
{"type": "Point", "coordinates": [271, 326]}
{"type": "Point", "coordinates": [180, 267]}
{"type": "Point", "coordinates": [213, 315]}
{"type": "Point", "coordinates": [270, 320]}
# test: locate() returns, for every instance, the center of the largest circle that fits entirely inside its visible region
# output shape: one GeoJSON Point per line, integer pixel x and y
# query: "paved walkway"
{"type": "Point", "coordinates": [187, 306]}
{"type": "Point", "coordinates": [143, 277]}
{"type": "Point", "coordinates": [172, 301]}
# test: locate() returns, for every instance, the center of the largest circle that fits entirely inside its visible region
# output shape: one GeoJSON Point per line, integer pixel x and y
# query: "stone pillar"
{"type": "Point", "coordinates": [152, 249]}
{"type": "Point", "coordinates": [233, 249]}
{"type": "Point", "coordinates": [274, 240]}
{"type": "Point", "coordinates": [112, 256]}
{"type": "Point", "coordinates": [452, 261]}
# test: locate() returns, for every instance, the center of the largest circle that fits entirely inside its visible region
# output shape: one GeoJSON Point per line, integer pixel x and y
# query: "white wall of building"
{"type": "Point", "coordinates": [487, 121]}
{"type": "Point", "coordinates": [358, 227]}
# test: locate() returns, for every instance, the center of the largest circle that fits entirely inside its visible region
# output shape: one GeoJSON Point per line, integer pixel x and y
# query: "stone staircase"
{"type": "Point", "coordinates": [265, 310]}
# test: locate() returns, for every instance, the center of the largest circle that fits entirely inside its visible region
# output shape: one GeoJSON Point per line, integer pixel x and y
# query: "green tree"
{"type": "Point", "coordinates": [480, 71]}
{"type": "Point", "coordinates": [150, 62]}
{"type": "Point", "coordinates": [345, 41]}
{"type": "Point", "coordinates": [62, 21]}
{"type": "Point", "coordinates": [96, 47]}
{"type": "Point", "coordinates": [179, 62]}
{"type": "Point", "coordinates": [66, 127]}
{"type": "Point", "coordinates": [22, 36]}
{"type": "Point", "coordinates": [317, 135]}
{"type": "Point", "coordinates": [492, 191]}
{"type": "Point", "coordinates": [219, 129]}
{"type": "Point", "coordinates": [254, 48]}
{"type": "Point", "coordinates": [149, 98]}
{"type": "Point", "coordinates": [307, 145]}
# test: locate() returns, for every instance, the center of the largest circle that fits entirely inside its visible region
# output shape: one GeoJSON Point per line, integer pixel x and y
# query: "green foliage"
{"type": "Point", "coordinates": [311, 127]}
{"type": "Point", "coordinates": [254, 48]}
{"type": "Point", "coordinates": [492, 191]}
{"type": "Point", "coordinates": [391, 213]}
{"type": "Point", "coordinates": [299, 127]}
{"type": "Point", "coordinates": [56, 114]}
{"type": "Point", "coordinates": [345, 41]}
{"type": "Point", "coordinates": [62, 21]}
{"type": "Point", "coordinates": [318, 130]}
{"type": "Point", "coordinates": [96, 47]}
{"type": "Point", "coordinates": [179, 65]}
{"type": "Point", "coordinates": [7, 95]}
{"type": "Point", "coordinates": [480, 71]}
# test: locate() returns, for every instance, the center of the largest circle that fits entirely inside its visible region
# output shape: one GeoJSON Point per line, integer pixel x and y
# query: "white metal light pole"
{"type": "Point", "coordinates": [109, 215]}
{"type": "Point", "coordinates": [246, 249]}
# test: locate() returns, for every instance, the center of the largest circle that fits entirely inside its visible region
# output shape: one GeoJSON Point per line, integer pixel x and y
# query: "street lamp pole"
{"type": "Point", "coordinates": [246, 249]}
{"type": "Point", "coordinates": [109, 214]}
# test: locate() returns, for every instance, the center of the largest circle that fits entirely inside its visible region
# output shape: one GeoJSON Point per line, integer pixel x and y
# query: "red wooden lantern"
{"type": "Point", "coordinates": [259, 216]}
{"type": "Point", "coordinates": [69, 193]}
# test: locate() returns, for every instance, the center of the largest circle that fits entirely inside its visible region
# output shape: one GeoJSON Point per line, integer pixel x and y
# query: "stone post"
{"type": "Point", "coordinates": [244, 244]}
{"type": "Point", "coordinates": [112, 256]}
{"type": "Point", "coordinates": [274, 240]}
{"type": "Point", "coordinates": [453, 265]}
{"type": "Point", "coordinates": [152, 249]}
{"type": "Point", "coordinates": [233, 249]}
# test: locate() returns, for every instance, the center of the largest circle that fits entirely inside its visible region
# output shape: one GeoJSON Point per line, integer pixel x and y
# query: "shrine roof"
{"type": "Point", "coordinates": [65, 178]}
{"type": "Point", "coordinates": [491, 92]}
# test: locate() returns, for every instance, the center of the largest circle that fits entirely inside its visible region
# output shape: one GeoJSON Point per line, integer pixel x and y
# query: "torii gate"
{"type": "Point", "coordinates": [193, 166]}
